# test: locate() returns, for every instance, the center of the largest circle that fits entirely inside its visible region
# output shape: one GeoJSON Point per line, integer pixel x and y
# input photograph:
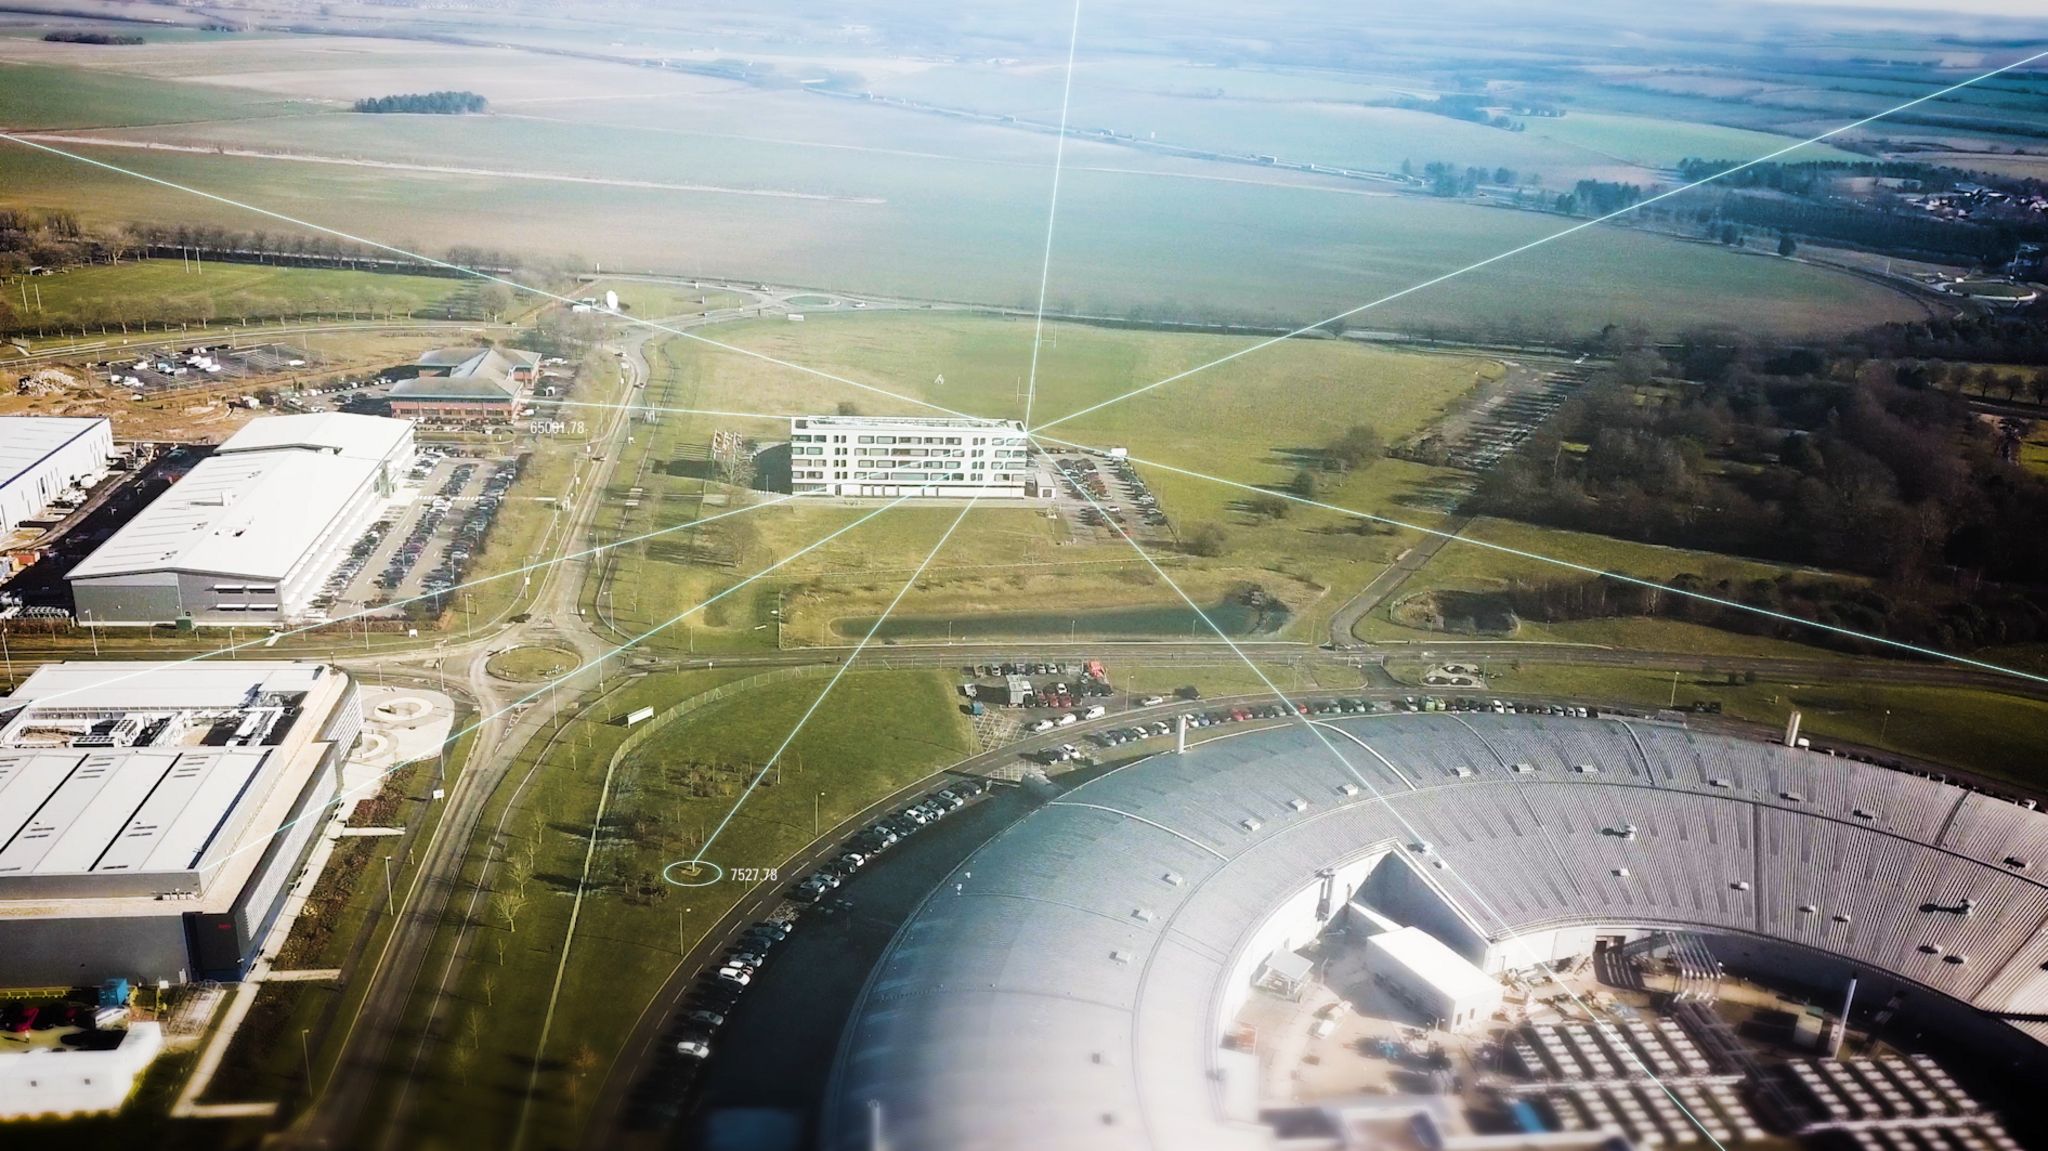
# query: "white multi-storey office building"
{"type": "Point", "coordinates": [909, 455]}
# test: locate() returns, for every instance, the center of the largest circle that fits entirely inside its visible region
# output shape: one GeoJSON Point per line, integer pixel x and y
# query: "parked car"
{"type": "Point", "coordinates": [694, 1046]}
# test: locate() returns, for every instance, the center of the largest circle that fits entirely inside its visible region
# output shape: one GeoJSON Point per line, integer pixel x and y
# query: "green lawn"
{"type": "Point", "coordinates": [1658, 142]}
{"type": "Point", "coordinates": [46, 96]}
{"type": "Point", "coordinates": [1468, 567]}
{"type": "Point", "coordinates": [876, 732]}
{"type": "Point", "coordinates": [1248, 421]}
{"type": "Point", "coordinates": [156, 292]}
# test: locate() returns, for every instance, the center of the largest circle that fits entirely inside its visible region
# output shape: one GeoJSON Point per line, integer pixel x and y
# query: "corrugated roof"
{"type": "Point", "coordinates": [26, 440]}
{"type": "Point", "coordinates": [116, 820]}
{"type": "Point", "coordinates": [127, 811]}
{"type": "Point", "coordinates": [340, 433]}
{"type": "Point", "coordinates": [249, 514]}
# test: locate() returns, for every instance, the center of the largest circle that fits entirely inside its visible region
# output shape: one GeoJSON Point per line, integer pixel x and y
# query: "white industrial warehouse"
{"type": "Point", "coordinates": [153, 815]}
{"type": "Point", "coordinates": [909, 456]}
{"type": "Point", "coordinates": [42, 458]}
{"type": "Point", "coordinates": [1077, 981]}
{"type": "Point", "coordinates": [252, 531]}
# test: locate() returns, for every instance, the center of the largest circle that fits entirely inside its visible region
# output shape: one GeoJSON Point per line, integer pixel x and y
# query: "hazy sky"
{"type": "Point", "coordinates": [1979, 7]}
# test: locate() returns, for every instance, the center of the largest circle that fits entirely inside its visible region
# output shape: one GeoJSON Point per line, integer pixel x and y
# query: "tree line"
{"type": "Point", "coordinates": [91, 38]}
{"type": "Point", "coordinates": [1796, 455]}
{"type": "Point", "coordinates": [448, 103]}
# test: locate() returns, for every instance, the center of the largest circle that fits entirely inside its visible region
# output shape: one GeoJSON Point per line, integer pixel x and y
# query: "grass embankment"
{"type": "Point", "coordinates": [876, 732]}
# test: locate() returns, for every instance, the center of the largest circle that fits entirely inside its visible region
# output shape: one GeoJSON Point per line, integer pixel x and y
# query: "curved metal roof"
{"type": "Point", "coordinates": [1066, 994]}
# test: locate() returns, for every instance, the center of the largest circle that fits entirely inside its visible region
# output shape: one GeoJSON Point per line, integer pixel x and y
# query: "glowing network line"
{"type": "Point", "coordinates": [565, 677]}
{"type": "Point", "coordinates": [1543, 240]}
{"type": "Point", "coordinates": [1587, 569]}
{"type": "Point", "coordinates": [1052, 213]}
{"type": "Point", "coordinates": [268, 639]}
{"type": "Point", "coordinates": [471, 272]}
{"type": "Point", "coordinates": [1508, 933]}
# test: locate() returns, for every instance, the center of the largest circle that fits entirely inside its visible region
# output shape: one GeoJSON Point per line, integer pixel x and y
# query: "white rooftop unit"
{"type": "Point", "coordinates": [1421, 971]}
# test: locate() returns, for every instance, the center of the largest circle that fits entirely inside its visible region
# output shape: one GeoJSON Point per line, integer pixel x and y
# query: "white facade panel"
{"type": "Point", "coordinates": [891, 456]}
{"type": "Point", "coordinates": [42, 457]}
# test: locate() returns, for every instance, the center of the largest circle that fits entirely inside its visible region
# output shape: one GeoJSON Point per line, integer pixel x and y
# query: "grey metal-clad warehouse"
{"type": "Point", "coordinates": [152, 816]}
{"type": "Point", "coordinates": [250, 534]}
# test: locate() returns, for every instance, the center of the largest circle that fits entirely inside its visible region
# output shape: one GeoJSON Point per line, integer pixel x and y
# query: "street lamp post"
{"type": "Point", "coordinates": [814, 813]}
{"type": "Point", "coordinates": [389, 903]}
{"type": "Point", "coordinates": [306, 1053]}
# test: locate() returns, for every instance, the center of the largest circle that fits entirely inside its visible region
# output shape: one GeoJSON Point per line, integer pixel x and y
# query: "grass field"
{"type": "Point", "coordinates": [693, 176]}
{"type": "Point", "coordinates": [1661, 143]}
{"type": "Point", "coordinates": [157, 292]}
{"type": "Point", "coordinates": [878, 731]}
{"type": "Point", "coordinates": [1467, 567]}
{"type": "Point", "coordinates": [43, 96]}
{"type": "Point", "coordinates": [1248, 421]}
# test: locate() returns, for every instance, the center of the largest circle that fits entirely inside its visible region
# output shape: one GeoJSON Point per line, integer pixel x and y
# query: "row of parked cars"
{"type": "Point", "coordinates": [468, 541]}
{"type": "Point", "coordinates": [693, 1032]}
{"type": "Point", "coordinates": [345, 573]}
{"type": "Point", "coordinates": [882, 835]}
{"type": "Point", "coordinates": [718, 991]}
{"type": "Point", "coordinates": [415, 543]}
{"type": "Point", "coordinates": [1067, 720]}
